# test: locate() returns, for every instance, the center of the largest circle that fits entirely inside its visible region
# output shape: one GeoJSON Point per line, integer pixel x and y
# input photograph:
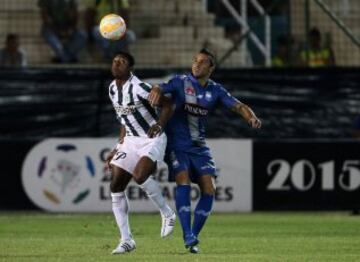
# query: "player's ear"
{"type": "Point", "coordinates": [212, 68]}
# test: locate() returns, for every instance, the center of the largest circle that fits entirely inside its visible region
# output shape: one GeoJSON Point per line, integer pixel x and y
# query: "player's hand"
{"type": "Point", "coordinates": [254, 122]}
{"type": "Point", "coordinates": [109, 157]}
{"type": "Point", "coordinates": [154, 96]}
{"type": "Point", "coordinates": [154, 130]}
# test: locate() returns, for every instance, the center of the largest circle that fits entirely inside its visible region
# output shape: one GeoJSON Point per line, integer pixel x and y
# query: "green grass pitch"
{"type": "Point", "coordinates": [36, 236]}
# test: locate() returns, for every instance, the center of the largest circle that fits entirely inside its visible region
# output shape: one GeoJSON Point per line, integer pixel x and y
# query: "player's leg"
{"type": "Point", "coordinates": [120, 207]}
{"type": "Point", "coordinates": [205, 173]}
{"type": "Point", "coordinates": [143, 169]}
{"type": "Point", "coordinates": [183, 206]}
{"type": "Point", "coordinates": [204, 206]}
{"type": "Point", "coordinates": [178, 164]}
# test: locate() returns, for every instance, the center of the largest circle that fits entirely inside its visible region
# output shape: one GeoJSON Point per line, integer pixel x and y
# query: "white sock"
{"type": "Point", "coordinates": [152, 188]}
{"type": "Point", "coordinates": [120, 208]}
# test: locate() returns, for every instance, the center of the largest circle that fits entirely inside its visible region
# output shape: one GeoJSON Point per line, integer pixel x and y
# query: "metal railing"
{"type": "Point", "coordinates": [241, 19]}
{"type": "Point", "coordinates": [347, 31]}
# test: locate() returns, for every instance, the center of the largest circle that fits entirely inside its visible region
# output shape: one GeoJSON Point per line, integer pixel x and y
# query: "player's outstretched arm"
{"type": "Point", "coordinates": [155, 95]}
{"type": "Point", "coordinates": [167, 109]}
{"type": "Point", "coordinates": [246, 112]}
{"type": "Point", "coordinates": [122, 134]}
{"type": "Point", "coordinates": [116, 147]}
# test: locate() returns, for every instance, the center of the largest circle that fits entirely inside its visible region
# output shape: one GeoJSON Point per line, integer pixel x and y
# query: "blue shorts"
{"type": "Point", "coordinates": [196, 164]}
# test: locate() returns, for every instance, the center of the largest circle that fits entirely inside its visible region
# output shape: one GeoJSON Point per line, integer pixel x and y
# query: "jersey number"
{"type": "Point", "coordinates": [120, 155]}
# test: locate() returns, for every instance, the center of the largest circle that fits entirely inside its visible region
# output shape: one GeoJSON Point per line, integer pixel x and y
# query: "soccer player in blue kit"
{"type": "Point", "coordinates": [188, 157]}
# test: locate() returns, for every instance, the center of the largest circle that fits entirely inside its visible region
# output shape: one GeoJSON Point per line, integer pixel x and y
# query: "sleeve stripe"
{"type": "Point", "coordinates": [141, 121]}
{"type": "Point", "coordinates": [146, 87]}
{"type": "Point", "coordinates": [148, 107]}
{"type": "Point", "coordinates": [128, 124]}
{"type": "Point", "coordinates": [131, 102]}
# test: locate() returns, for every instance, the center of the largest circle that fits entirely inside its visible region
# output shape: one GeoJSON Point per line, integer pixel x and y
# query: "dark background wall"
{"type": "Point", "coordinates": [291, 103]}
{"type": "Point", "coordinates": [294, 105]}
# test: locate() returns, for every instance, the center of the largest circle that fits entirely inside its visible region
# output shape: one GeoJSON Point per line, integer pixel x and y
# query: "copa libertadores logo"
{"type": "Point", "coordinates": [69, 175]}
{"type": "Point", "coordinates": [58, 175]}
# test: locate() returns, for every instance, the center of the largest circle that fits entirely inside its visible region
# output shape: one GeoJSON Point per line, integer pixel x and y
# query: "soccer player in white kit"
{"type": "Point", "coordinates": [142, 143]}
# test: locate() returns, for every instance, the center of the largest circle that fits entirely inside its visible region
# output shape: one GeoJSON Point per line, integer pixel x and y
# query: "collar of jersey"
{"type": "Point", "coordinates": [192, 78]}
{"type": "Point", "coordinates": [127, 83]}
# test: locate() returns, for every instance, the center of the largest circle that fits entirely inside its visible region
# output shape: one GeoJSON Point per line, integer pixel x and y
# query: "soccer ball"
{"type": "Point", "coordinates": [112, 27]}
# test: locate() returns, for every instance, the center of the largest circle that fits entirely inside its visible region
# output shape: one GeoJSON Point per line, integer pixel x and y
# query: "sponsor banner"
{"type": "Point", "coordinates": [306, 175]}
{"type": "Point", "coordinates": [69, 175]}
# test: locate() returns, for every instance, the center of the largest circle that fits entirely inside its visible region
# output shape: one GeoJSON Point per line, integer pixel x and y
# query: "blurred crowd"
{"type": "Point", "coordinates": [12, 55]}
{"type": "Point", "coordinates": [60, 30]}
{"type": "Point", "coordinates": [315, 53]}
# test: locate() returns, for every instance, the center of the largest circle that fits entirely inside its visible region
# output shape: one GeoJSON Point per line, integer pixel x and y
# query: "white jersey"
{"type": "Point", "coordinates": [132, 107]}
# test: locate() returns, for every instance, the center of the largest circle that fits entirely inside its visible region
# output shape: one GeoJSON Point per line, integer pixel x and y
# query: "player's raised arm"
{"type": "Point", "coordinates": [122, 134]}
{"type": "Point", "coordinates": [155, 95]}
{"type": "Point", "coordinates": [169, 89]}
{"type": "Point", "coordinates": [167, 109]}
{"type": "Point", "coordinates": [116, 147]}
{"type": "Point", "coordinates": [238, 107]}
{"type": "Point", "coordinates": [246, 112]}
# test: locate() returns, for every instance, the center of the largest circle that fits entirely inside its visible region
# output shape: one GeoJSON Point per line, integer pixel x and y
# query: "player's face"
{"type": "Point", "coordinates": [201, 66]}
{"type": "Point", "coordinates": [120, 67]}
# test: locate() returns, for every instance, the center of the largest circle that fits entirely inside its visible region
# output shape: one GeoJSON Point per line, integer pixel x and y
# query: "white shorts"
{"type": "Point", "coordinates": [135, 147]}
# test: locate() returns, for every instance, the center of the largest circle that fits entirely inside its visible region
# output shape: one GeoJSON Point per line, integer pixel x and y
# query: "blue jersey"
{"type": "Point", "coordinates": [186, 129]}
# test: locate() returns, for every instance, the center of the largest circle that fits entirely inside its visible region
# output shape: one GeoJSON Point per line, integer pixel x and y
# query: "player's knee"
{"type": "Point", "coordinates": [139, 177]}
{"type": "Point", "coordinates": [116, 185]}
{"type": "Point", "coordinates": [208, 189]}
{"type": "Point", "coordinates": [182, 178]}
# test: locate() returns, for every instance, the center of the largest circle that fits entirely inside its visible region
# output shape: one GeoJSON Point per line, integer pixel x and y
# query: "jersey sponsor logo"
{"type": "Point", "coordinates": [189, 90]}
{"type": "Point", "coordinates": [127, 99]}
{"type": "Point", "coordinates": [125, 110]}
{"type": "Point", "coordinates": [196, 110]}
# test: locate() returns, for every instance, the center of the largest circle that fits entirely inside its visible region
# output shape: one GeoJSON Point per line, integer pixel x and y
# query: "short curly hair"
{"type": "Point", "coordinates": [127, 56]}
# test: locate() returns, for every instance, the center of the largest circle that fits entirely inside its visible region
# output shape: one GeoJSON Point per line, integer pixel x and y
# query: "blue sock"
{"type": "Point", "coordinates": [202, 211]}
{"type": "Point", "coordinates": [183, 206]}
